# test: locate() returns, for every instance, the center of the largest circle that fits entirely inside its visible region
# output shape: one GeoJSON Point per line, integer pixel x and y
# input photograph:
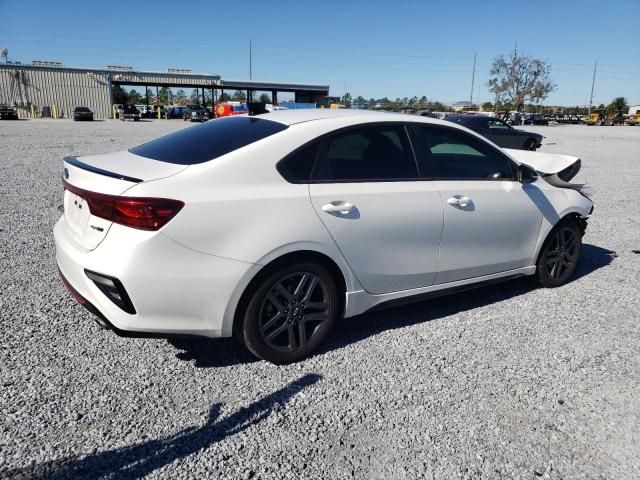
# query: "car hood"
{"type": "Point", "coordinates": [544, 163]}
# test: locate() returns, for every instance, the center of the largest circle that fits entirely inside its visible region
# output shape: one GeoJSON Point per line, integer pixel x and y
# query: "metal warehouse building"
{"type": "Point", "coordinates": [48, 88]}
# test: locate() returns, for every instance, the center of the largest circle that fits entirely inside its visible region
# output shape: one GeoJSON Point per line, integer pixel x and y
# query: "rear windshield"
{"type": "Point", "coordinates": [208, 141]}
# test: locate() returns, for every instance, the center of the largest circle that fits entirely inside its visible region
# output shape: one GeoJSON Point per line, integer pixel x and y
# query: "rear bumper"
{"type": "Point", "coordinates": [175, 290]}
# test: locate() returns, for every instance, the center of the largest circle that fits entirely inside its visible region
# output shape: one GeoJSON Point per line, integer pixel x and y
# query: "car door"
{"type": "Point", "coordinates": [491, 223]}
{"type": "Point", "coordinates": [502, 134]}
{"type": "Point", "coordinates": [385, 220]}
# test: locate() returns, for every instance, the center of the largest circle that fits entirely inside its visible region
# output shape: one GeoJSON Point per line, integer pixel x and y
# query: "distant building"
{"type": "Point", "coordinates": [50, 89]}
{"type": "Point", "coordinates": [634, 109]}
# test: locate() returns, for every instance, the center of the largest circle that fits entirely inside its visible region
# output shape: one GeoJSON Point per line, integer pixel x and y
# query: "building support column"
{"type": "Point", "coordinates": [274, 98]}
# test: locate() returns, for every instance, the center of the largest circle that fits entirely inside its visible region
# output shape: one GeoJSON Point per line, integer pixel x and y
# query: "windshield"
{"type": "Point", "coordinates": [208, 141]}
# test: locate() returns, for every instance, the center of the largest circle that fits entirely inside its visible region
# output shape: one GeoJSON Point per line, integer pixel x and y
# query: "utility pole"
{"type": "Point", "coordinates": [250, 60]}
{"type": "Point", "coordinates": [593, 83]}
{"type": "Point", "coordinates": [473, 78]}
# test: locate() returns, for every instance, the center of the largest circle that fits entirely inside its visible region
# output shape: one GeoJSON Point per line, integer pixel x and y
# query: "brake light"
{"type": "Point", "coordinates": [137, 212]}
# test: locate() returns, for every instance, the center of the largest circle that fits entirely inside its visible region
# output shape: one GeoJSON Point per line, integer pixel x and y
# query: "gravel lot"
{"type": "Point", "coordinates": [509, 381]}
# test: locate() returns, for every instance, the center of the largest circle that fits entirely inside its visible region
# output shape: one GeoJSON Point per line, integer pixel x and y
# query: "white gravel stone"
{"type": "Point", "coordinates": [508, 381]}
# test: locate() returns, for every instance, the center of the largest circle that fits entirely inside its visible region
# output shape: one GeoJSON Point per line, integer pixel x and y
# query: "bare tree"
{"type": "Point", "coordinates": [520, 78]}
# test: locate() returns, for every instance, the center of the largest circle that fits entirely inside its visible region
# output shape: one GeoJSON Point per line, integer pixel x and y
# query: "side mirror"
{"type": "Point", "coordinates": [526, 174]}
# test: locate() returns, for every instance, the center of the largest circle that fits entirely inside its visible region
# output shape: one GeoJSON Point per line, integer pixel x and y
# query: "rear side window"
{"type": "Point", "coordinates": [209, 140]}
{"type": "Point", "coordinates": [450, 154]}
{"type": "Point", "coordinates": [297, 167]}
{"type": "Point", "coordinates": [376, 153]}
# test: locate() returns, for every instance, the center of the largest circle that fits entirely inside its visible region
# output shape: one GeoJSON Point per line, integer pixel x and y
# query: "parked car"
{"type": "Point", "coordinates": [8, 113]}
{"type": "Point", "coordinates": [82, 113]}
{"type": "Point", "coordinates": [129, 112]}
{"type": "Point", "coordinates": [535, 119]}
{"type": "Point", "coordinates": [499, 132]}
{"type": "Point", "coordinates": [175, 111]}
{"type": "Point", "coordinates": [151, 111]}
{"type": "Point", "coordinates": [273, 227]}
{"type": "Point", "coordinates": [195, 113]}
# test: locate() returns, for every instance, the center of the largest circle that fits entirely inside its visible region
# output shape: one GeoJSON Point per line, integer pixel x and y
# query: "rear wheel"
{"type": "Point", "coordinates": [558, 259]}
{"type": "Point", "coordinates": [291, 312]}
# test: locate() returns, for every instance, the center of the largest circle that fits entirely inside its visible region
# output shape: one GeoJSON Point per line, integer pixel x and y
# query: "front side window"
{"type": "Point", "coordinates": [373, 153]}
{"type": "Point", "coordinates": [495, 124]}
{"type": "Point", "coordinates": [445, 153]}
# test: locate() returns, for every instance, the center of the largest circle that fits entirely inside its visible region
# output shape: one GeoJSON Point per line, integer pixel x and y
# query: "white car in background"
{"type": "Point", "coordinates": [273, 227]}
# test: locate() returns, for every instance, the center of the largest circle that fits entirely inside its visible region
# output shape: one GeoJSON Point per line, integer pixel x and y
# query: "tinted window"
{"type": "Point", "coordinates": [495, 124]}
{"type": "Point", "coordinates": [297, 166]}
{"type": "Point", "coordinates": [209, 140]}
{"type": "Point", "coordinates": [369, 153]}
{"type": "Point", "coordinates": [447, 153]}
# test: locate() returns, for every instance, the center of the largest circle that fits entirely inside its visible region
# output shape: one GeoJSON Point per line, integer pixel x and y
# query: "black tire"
{"type": "Point", "coordinates": [530, 145]}
{"type": "Point", "coordinates": [290, 313]}
{"type": "Point", "coordinates": [558, 259]}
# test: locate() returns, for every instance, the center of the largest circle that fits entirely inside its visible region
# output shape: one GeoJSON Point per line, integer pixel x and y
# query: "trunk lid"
{"type": "Point", "coordinates": [111, 174]}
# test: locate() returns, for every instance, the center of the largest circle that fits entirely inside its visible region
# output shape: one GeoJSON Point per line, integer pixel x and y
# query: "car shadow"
{"type": "Point", "coordinates": [221, 352]}
{"type": "Point", "coordinates": [211, 352]}
{"type": "Point", "coordinates": [363, 326]}
{"type": "Point", "coordinates": [140, 459]}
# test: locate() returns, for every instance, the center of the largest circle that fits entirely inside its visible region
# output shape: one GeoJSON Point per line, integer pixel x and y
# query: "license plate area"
{"type": "Point", "coordinates": [76, 212]}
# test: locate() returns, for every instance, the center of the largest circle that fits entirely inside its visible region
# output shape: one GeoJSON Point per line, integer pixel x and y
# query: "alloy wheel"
{"type": "Point", "coordinates": [293, 311]}
{"type": "Point", "coordinates": [562, 252]}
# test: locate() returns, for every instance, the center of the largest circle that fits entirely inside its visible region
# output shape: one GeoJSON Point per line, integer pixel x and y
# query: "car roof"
{"type": "Point", "coordinates": [292, 117]}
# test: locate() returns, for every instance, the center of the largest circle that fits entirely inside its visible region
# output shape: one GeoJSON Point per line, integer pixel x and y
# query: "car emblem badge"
{"type": "Point", "coordinates": [66, 173]}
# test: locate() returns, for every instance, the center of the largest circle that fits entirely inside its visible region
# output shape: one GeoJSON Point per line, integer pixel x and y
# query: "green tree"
{"type": "Point", "coordinates": [618, 105]}
{"type": "Point", "coordinates": [264, 98]}
{"type": "Point", "coordinates": [360, 101]}
{"type": "Point", "coordinates": [180, 98]}
{"type": "Point", "coordinates": [487, 106]}
{"type": "Point", "coordinates": [134, 97]}
{"type": "Point", "coordinates": [194, 98]}
{"type": "Point", "coordinates": [119, 95]}
{"type": "Point", "coordinates": [239, 96]}
{"type": "Point", "coordinates": [422, 103]}
{"type": "Point", "coordinates": [164, 95]}
{"type": "Point", "coordinates": [346, 99]}
{"type": "Point", "coordinates": [520, 78]}
{"type": "Point", "coordinates": [372, 103]}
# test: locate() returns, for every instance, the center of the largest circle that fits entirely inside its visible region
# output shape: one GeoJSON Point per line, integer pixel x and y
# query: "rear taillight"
{"type": "Point", "coordinates": [137, 212]}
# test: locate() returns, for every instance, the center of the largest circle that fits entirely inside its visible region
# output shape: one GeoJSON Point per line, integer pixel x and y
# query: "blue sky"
{"type": "Point", "coordinates": [371, 48]}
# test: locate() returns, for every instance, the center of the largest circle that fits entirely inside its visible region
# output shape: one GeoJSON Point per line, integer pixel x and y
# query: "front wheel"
{"type": "Point", "coordinates": [558, 259]}
{"type": "Point", "coordinates": [291, 312]}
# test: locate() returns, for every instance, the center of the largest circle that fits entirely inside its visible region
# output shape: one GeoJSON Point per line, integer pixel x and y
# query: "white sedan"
{"type": "Point", "coordinates": [272, 228]}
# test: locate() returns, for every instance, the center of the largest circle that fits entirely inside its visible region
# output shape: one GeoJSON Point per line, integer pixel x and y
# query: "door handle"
{"type": "Point", "coordinates": [338, 208]}
{"type": "Point", "coordinates": [459, 201]}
